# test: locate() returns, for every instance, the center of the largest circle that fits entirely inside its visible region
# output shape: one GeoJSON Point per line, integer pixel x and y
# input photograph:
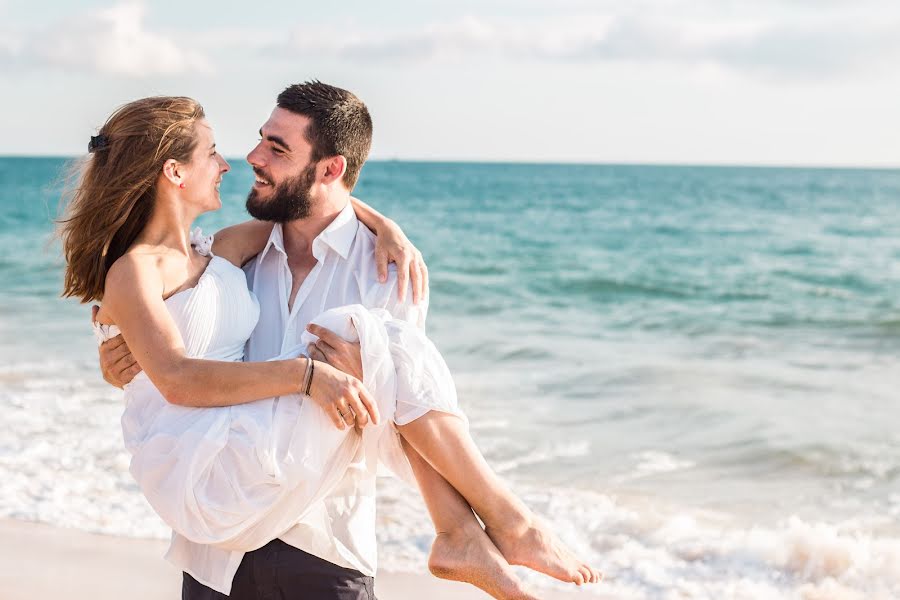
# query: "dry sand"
{"type": "Point", "coordinates": [43, 562]}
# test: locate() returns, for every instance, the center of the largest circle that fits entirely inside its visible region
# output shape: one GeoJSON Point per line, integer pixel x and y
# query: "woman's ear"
{"type": "Point", "coordinates": [173, 171]}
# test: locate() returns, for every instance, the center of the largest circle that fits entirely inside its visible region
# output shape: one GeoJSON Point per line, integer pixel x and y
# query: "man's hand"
{"type": "Point", "coordinates": [343, 397]}
{"type": "Point", "coordinates": [334, 350]}
{"type": "Point", "coordinates": [116, 362]}
{"type": "Point", "coordinates": [392, 246]}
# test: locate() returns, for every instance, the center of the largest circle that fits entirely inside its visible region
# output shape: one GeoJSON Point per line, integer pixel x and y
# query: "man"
{"type": "Point", "coordinates": [318, 257]}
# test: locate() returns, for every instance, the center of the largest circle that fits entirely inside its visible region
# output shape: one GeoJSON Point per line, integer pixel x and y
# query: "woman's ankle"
{"type": "Point", "coordinates": [464, 527]}
{"type": "Point", "coordinates": [507, 513]}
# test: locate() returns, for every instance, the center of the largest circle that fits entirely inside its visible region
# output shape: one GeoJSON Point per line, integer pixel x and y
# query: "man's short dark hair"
{"type": "Point", "coordinates": [339, 123]}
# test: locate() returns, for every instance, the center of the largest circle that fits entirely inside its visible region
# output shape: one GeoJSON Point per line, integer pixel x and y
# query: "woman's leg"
{"type": "Point", "coordinates": [462, 550]}
{"type": "Point", "coordinates": [444, 441]}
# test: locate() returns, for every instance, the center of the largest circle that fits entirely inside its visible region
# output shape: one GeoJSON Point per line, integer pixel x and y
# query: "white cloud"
{"type": "Point", "coordinates": [777, 40]}
{"type": "Point", "coordinates": [808, 48]}
{"type": "Point", "coordinates": [430, 41]}
{"type": "Point", "coordinates": [112, 41]}
{"type": "Point", "coordinates": [807, 51]}
{"type": "Point", "coordinates": [10, 45]}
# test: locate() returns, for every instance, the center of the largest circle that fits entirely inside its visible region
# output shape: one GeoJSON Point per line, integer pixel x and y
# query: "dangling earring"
{"type": "Point", "coordinates": [181, 185]}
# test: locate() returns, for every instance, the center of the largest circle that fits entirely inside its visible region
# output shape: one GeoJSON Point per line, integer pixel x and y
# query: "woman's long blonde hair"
{"type": "Point", "coordinates": [115, 193]}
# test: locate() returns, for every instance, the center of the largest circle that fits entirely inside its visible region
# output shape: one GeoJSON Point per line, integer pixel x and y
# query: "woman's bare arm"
{"type": "Point", "coordinates": [239, 243]}
{"type": "Point", "coordinates": [133, 301]}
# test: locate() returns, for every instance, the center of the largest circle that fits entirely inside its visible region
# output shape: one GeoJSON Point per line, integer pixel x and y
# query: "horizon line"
{"type": "Point", "coordinates": [559, 162]}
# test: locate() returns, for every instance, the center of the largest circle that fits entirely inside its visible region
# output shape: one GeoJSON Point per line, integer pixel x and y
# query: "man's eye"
{"type": "Point", "coordinates": [277, 151]}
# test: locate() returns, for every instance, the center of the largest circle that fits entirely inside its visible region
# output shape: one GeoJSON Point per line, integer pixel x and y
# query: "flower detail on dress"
{"type": "Point", "coordinates": [203, 244]}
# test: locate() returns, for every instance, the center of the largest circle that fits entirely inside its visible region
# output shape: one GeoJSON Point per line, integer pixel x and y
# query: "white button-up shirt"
{"type": "Point", "coordinates": [340, 528]}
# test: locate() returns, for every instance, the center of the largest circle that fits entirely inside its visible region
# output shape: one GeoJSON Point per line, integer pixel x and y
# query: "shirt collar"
{"type": "Point", "coordinates": [339, 235]}
{"type": "Point", "coordinates": [276, 240]}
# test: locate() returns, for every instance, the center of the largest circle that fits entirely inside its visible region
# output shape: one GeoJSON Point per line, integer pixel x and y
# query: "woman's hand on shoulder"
{"type": "Point", "coordinates": [392, 246]}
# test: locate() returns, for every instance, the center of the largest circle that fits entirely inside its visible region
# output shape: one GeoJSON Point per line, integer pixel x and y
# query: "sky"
{"type": "Point", "coordinates": [767, 82]}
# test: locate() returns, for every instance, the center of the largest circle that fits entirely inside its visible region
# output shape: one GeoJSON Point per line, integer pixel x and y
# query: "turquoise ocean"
{"type": "Point", "coordinates": [693, 373]}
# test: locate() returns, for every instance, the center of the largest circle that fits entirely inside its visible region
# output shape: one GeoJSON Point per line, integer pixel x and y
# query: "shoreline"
{"type": "Point", "coordinates": [45, 561]}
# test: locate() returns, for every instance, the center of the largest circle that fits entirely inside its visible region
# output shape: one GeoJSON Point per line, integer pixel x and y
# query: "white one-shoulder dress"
{"type": "Point", "coordinates": [237, 477]}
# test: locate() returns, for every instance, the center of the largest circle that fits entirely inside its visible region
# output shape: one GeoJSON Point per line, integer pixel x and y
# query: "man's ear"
{"type": "Point", "coordinates": [335, 167]}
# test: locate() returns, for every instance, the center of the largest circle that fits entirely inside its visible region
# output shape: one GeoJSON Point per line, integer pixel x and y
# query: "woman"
{"type": "Point", "coordinates": [126, 240]}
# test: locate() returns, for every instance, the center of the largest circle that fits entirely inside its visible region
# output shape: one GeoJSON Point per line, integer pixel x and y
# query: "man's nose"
{"type": "Point", "coordinates": [255, 157]}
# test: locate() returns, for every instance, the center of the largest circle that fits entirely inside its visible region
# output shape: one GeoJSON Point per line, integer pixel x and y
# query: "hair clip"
{"type": "Point", "coordinates": [98, 142]}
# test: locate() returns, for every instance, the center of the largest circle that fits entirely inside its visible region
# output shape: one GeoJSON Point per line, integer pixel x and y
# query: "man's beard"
{"type": "Point", "coordinates": [290, 200]}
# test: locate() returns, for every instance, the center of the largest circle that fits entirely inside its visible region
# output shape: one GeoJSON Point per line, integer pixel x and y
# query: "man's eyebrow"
{"type": "Point", "coordinates": [275, 139]}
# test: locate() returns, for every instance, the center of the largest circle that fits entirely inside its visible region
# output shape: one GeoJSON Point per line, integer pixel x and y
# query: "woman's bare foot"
{"type": "Point", "coordinates": [531, 544]}
{"type": "Point", "coordinates": [468, 555]}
